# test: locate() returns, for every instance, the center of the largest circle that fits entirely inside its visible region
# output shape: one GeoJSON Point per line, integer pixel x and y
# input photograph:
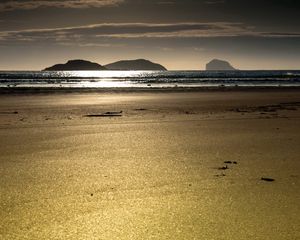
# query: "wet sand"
{"type": "Point", "coordinates": [155, 172]}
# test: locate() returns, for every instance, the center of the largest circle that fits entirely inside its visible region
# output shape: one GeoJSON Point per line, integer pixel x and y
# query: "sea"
{"type": "Point", "coordinates": [148, 79]}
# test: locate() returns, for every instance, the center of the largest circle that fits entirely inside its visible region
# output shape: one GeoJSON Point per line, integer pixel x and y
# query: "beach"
{"type": "Point", "coordinates": [208, 164]}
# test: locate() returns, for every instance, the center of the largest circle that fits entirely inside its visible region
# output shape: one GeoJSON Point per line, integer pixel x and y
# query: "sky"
{"type": "Point", "coordinates": [179, 34]}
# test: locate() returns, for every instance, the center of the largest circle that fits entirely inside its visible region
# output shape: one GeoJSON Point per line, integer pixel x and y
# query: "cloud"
{"type": "Point", "coordinates": [88, 45]}
{"type": "Point", "coordinates": [178, 30]}
{"type": "Point", "coordinates": [30, 4]}
{"type": "Point", "coordinates": [96, 34]}
{"type": "Point", "coordinates": [166, 2]}
{"type": "Point", "coordinates": [215, 2]}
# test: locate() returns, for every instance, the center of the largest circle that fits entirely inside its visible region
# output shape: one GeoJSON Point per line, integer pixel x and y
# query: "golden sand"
{"type": "Point", "coordinates": [156, 171]}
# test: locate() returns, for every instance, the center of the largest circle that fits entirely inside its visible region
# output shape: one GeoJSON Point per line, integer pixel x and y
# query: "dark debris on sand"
{"type": "Point", "coordinates": [288, 106]}
{"type": "Point", "coordinates": [267, 179]}
{"type": "Point", "coordinates": [14, 112]}
{"type": "Point", "coordinates": [230, 162]}
{"type": "Point", "coordinates": [223, 168]}
{"type": "Point", "coordinates": [106, 114]}
{"type": "Point", "coordinates": [220, 175]}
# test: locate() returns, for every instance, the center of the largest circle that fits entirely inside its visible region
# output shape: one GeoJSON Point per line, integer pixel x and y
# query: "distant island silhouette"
{"type": "Point", "coordinates": [135, 65]}
{"type": "Point", "coordinates": [138, 64]}
{"type": "Point", "coordinates": [219, 65]}
{"type": "Point", "coordinates": [78, 64]}
{"type": "Point", "coordinates": [83, 65]}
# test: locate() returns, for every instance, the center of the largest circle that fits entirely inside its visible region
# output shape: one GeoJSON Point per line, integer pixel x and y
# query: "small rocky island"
{"type": "Point", "coordinates": [138, 64]}
{"type": "Point", "coordinates": [76, 65]}
{"type": "Point", "coordinates": [219, 65]}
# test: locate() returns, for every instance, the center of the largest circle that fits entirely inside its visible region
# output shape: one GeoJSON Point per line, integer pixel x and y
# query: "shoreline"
{"type": "Point", "coordinates": [54, 90]}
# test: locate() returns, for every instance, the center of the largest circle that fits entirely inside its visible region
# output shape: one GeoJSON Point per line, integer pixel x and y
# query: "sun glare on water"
{"type": "Point", "coordinates": [105, 79]}
{"type": "Point", "coordinates": [106, 74]}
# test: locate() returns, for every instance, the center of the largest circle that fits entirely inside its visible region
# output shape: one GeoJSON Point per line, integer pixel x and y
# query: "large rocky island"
{"type": "Point", "coordinates": [138, 64]}
{"type": "Point", "coordinates": [76, 65]}
{"type": "Point", "coordinates": [219, 65]}
{"type": "Point", "coordinates": [83, 65]}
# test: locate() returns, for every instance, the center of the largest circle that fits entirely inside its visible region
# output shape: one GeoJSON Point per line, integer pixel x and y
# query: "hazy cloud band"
{"type": "Point", "coordinates": [92, 34]}
{"type": "Point", "coordinates": [28, 5]}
